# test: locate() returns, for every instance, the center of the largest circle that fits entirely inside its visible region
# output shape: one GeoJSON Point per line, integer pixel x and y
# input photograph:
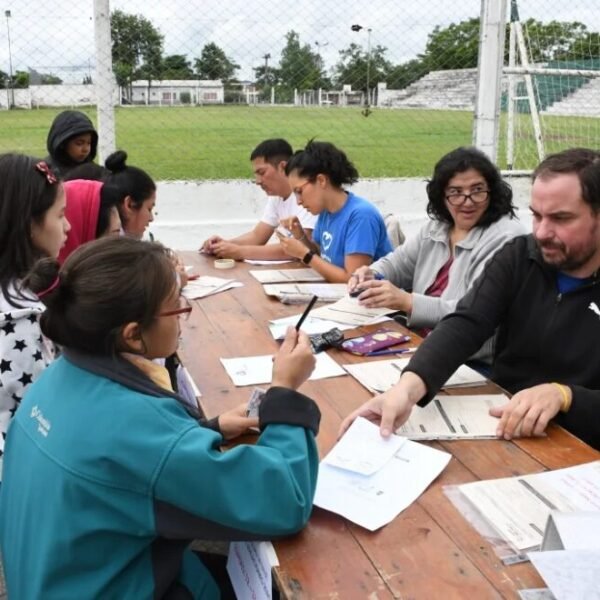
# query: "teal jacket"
{"type": "Point", "coordinates": [107, 478]}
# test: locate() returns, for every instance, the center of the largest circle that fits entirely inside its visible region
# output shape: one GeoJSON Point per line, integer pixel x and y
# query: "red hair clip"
{"type": "Point", "coordinates": [43, 168]}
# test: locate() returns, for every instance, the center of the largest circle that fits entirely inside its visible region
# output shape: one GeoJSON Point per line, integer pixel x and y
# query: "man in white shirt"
{"type": "Point", "coordinates": [268, 163]}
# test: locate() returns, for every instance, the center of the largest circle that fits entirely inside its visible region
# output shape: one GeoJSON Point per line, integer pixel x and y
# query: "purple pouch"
{"type": "Point", "coordinates": [374, 342]}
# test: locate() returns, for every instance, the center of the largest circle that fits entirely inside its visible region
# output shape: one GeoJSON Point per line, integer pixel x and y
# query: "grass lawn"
{"type": "Point", "coordinates": [215, 142]}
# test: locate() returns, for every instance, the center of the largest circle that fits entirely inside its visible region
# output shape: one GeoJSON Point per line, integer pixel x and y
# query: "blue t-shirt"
{"type": "Point", "coordinates": [566, 283]}
{"type": "Point", "coordinates": [357, 228]}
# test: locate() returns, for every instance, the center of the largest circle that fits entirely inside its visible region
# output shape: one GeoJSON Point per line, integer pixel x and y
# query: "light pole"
{"type": "Point", "coordinates": [367, 110]}
{"type": "Point", "coordinates": [320, 45]}
{"type": "Point", "coordinates": [10, 71]}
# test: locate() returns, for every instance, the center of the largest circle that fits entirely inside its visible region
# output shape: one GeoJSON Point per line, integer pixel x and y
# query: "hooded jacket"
{"type": "Point", "coordinates": [82, 212]}
{"type": "Point", "coordinates": [66, 125]}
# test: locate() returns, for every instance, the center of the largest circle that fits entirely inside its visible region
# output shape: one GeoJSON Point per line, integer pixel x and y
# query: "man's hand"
{"type": "Point", "coordinates": [391, 409]}
{"type": "Point", "coordinates": [294, 362]}
{"type": "Point", "coordinates": [209, 245]}
{"type": "Point", "coordinates": [235, 422]}
{"type": "Point", "coordinates": [529, 411]}
{"type": "Point", "coordinates": [378, 294]}
{"type": "Point", "coordinates": [224, 249]}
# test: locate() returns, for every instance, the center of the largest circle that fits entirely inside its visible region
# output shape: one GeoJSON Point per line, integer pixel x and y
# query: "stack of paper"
{"type": "Point", "coordinates": [349, 312]}
{"type": "Point", "coordinates": [454, 418]}
{"type": "Point", "coordinates": [517, 507]}
{"type": "Point", "coordinates": [206, 286]}
{"type": "Point", "coordinates": [570, 559]}
{"type": "Point", "coordinates": [286, 275]}
{"type": "Point", "coordinates": [295, 293]}
{"type": "Point", "coordinates": [380, 376]}
{"type": "Point", "coordinates": [256, 370]}
{"type": "Point", "coordinates": [370, 480]}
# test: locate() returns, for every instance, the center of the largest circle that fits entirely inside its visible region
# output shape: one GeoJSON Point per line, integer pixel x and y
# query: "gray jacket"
{"type": "Point", "coordinates": [415, 265]}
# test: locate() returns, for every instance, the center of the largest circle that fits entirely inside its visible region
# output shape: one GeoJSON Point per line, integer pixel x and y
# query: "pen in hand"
{"type": "Point", "coordinates": [306, 311]}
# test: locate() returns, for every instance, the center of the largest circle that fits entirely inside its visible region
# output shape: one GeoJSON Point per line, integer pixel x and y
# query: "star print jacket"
{"type": "Point", "coordinates": [24, 354]}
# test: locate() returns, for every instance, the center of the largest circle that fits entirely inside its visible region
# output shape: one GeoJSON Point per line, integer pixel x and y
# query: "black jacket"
{"type": "Point", "coordinates": [66, 125]}
{"type": "Point", "coordinates": [543, 336]}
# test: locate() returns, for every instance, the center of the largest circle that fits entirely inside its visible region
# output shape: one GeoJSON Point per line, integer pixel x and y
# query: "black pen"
{"type": "Point", "coordinates": [306, 311]}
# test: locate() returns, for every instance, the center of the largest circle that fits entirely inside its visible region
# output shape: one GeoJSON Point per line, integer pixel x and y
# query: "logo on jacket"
{"type": "Point", "coordinates": [44, 425]}
{"type": "Point", "coordinates": [594, 308]}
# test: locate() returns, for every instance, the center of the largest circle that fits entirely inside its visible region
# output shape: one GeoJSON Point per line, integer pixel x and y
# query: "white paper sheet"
{"type": "Point", "coordinates": [256, 370]}
{"type": "Point", "coordinates": [373, 501]}
{"type": "Point", "coordinates": [350, 312]}
{"type": "Point", "coordinates": [249, 569]}
{"type": "Point", "coordinates": [362, 449]}
{"type": "Point", "coordinates": [572, 531]}
{"type": "Point", "coordinates": [207, 285]}
{"type": "Point", "coordinates": [570, 574]}
{"type": "Point", "coordinates": [252, 261]}
{"type": "Point", "coordinates": [311, 326]}
{"type": "Point", "coordinates": [380, 376]}
{"type": "Point", "coordinates": [303, 292]}
{"type": "Point", "coordinates": [286, 275]}
{"type": "Point", "coordinates": [518, 507]}
{"type": "Point", "coordinates": [454, 418]}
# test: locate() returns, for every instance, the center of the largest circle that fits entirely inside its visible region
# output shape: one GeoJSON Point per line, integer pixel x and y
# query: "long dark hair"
{"type": "Point", "coordinates": [26, 193]}
{"type": "Point", "coordinates": [459, 161]}
{"type": "Point", "coordinates": [101, 287]}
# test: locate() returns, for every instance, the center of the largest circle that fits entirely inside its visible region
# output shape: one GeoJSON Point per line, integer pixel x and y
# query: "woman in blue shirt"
{"type": "Point", "coordinates": [350, 232]}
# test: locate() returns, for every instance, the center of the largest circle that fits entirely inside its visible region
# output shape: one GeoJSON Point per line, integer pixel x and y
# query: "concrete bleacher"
{"type": "Point", "coordinates": [583, 102]}
{"type": "Point", "coordinates": [451, 89]}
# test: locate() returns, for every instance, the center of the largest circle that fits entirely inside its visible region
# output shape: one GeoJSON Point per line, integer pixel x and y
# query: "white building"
{"type": "Point", "coordinates": [177, 92]}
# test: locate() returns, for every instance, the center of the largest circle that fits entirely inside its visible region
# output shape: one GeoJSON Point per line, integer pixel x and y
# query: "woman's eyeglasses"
{"type": "Point", "coordinates": [475, 197]}
{"type": "Point", "coordinates": [298, 191]}
{"type": "Point", "coordinates": [183, 312]}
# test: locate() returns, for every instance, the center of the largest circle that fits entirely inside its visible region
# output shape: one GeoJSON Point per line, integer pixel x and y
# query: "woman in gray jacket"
{"type": "Point", "coordinates": [472, 216]}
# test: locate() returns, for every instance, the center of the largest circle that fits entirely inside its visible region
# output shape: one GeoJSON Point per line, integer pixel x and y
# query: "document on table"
{"type": "Point", "coordinates": [256, 370]}
{"type": "Point", "coordinates": [311, 326]}
{"type": "Point", "coordinates": [286, 275]}
{"type": "Point", "coordinates": [570, 574]}
{"type": "Point", "coordinates": [572, 531]}
{"type": "Point", "coordinates": [454, 418]}
{"type": "Point", "coordinates": [252, 261]}
{"type": "Point", "coordinates": [249, 567]}
{"type": "Point", "coordinates": [517, 507]}
{"type": "Point", "coordinates": [302, 292]}
{"type": "Point", "coordinates": [372, 501]}
{"type": "Point", "coordinates": [349, 312]}
{"type": "Point", "coordinates": [380, 376]}
{"type": "Point", "coordinates": [207, 285]}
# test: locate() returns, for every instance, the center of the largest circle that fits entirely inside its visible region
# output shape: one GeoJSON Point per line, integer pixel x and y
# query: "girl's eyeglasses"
{"type": "Point", "coordinates": [183, 312]}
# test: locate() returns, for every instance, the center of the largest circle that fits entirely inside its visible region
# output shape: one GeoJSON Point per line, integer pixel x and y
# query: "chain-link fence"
{"type": "Point", "coordinates": [197, 84]}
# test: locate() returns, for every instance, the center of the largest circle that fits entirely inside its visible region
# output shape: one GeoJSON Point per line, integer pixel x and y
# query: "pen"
{"type": "Point", "coordinates": [390, 352]}
{"type": "Point", "coordinates": [306, 311]}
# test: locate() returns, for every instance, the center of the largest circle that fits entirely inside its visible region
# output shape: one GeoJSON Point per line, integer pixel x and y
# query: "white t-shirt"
{"type": "Point", "coordinates": [277, 208]}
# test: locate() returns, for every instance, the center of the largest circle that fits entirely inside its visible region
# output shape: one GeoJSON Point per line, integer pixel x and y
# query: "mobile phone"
{"type": "Point", "coordinates": [323, 341]}
{"type": "Point", "coordinates": [356, 292]}
{"type": "Point", "coordinates": [281, 230]}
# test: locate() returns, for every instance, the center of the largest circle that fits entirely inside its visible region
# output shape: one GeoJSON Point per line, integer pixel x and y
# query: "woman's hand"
{"type": "Point", "coordinates": [293, 225]}
{"type": "Point", "coordinates": [235, 422]}
{"type": "Point", "coordinates": [358, 277]}
{"type": "Point", "coordinates": [380, 293]}
{"type": "Point", "coordinates": [292, 247]}
{"type": "Point", "coordinates": [294, 362]}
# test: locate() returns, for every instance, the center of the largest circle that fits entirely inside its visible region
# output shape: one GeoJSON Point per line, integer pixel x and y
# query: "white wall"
{"type": "Point", "coordinates": [188, 212]}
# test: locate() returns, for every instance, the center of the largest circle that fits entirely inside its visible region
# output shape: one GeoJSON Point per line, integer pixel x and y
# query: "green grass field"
{"type": "Point", "coordinates": [215, 142]}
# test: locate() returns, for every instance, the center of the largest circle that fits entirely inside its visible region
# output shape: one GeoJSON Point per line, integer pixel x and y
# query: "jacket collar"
{"type": "Point", "coordinates": [440, 232]}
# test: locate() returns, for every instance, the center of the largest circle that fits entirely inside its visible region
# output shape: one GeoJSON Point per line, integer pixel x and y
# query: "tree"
{"type": "Point", "coordinates": [3, 79]}
{"type": "Point", "coordinates": [214, 64]}
{"type": "Point", "coordinates": [49, 79]}
{"type": "Point", "coordinates": [552, 41]}
{"type": "Point", "coordinates": [354, 64]}
{"type": "Point", "coordinates": [299, 67]}
{"type": "Point", "coordinates": [176, 66]}
{"type": "Point", "coordinates": [403, 75]}
{"type": "Point", "coordinates": [136, 49]}
{"type": "Point", "coordinates": [20, 80]}
{"type": "Point", "coordinates": [453, 47]}
{"type": "Point", "coordinates": [87, 80]}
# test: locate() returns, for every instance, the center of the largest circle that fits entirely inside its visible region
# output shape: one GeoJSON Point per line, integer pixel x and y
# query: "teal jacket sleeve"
{"type": "Point", "coordinates": [249, 492]}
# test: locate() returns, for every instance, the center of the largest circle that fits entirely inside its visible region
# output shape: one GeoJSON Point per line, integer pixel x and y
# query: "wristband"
{"type": "Point", "coordinates": [308, 257]}
{"type": "Point", "coordinates": [566, 402]}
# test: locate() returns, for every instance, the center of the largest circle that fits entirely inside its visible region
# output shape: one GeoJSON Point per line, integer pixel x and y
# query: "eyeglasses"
{"type": "Point", "coordinates": [43, 168]}
{"type": "Point", "coordinates": [475, 197]}
{"type": "Point", "coordinates": [298, 191]}
{"type": "Point", "coordinates": [184, 310]}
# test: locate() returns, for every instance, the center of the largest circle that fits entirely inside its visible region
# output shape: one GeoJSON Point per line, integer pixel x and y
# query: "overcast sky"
{"type": "Point", "coordinates": [57, 37]}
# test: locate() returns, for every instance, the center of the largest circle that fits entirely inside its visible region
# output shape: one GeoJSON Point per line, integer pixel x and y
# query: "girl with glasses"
{"type": "Point", "coordinates": [109, 472]}
{"type": "Point", "coordinates": [472, 217]}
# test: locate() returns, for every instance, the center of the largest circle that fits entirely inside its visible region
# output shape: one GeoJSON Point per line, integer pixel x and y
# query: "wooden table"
{"type": "Point", "coordinates": [429, 551]}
